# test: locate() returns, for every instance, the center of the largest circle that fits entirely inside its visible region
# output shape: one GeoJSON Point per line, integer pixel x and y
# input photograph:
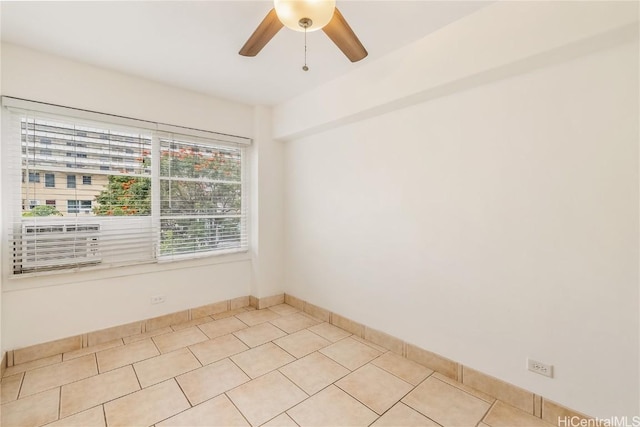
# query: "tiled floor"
{"type": "Point", "coordinates": [274, 367]}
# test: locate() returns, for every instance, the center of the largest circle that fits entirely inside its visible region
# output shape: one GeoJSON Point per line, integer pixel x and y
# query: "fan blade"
{"type": "Point", "coordinates": [268, 28]}
{"type": "Point", "coordinates": [343, 36]}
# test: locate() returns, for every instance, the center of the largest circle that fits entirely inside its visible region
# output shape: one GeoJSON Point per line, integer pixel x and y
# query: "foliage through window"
{"type": "Point", "coordinates": [200, 197]}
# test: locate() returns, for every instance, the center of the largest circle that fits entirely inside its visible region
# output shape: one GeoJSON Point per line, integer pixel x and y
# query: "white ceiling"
{"type": "Point", "coordinates": [194, 44]}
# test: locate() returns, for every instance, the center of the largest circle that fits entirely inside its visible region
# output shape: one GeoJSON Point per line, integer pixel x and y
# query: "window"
{"type": "Point", "coordinates": [33, 203]}
{"type": "Point", "coordinates": [73, 206]}
{"type": "Point", "coordinates": [200, 198]}
{"type": "Point", "coordinates": [198, 205]}
{"type": "Point", "coordinates": [45, 152]}
{"type": "Point", "coordinates": [78, 206]}
{"type": "Point", "coordinates": [34, 176]}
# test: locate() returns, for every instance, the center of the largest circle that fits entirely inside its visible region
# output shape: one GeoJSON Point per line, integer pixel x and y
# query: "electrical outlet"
{"type": "Point", "coordinates": [540, 368]}
{"type": "Point", "coordinates": [158, 299]}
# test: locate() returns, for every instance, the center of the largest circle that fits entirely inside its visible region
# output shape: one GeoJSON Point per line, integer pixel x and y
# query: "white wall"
{"type": "Point", "coordinates": [45, 308]}
{"type": "Point", "coordinates": [492, 224]}
{"type": "Point", "coordinates": [267, 205]}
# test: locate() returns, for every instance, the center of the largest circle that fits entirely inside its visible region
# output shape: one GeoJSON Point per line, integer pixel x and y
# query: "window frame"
{"type": "Point", "coordinates": [13, 105]}
{"type": "Point", "coordinates": [50, 180]}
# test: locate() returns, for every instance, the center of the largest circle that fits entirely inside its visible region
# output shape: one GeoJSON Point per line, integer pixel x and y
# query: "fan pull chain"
{"type": "Point", "coordinates": [305, 68]}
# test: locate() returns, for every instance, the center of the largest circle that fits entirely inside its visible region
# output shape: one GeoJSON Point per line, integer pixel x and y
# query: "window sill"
{"type": "Point", "coordinates": [110, 271]}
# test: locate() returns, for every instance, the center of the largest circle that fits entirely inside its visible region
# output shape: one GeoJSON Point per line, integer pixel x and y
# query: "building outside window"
{"type": "Point", "coordinates": [71, 181]}
{"type": "Point", "coordinates": [49, 180]}
{"type": "Point", "coordinates": [34, 176]}
{"type": "Point", "coordinates": [78, 206]}
{"type": "Point", "coordinates": [86, 179]}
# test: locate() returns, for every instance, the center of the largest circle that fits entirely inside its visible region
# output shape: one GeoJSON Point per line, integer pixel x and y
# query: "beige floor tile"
{"type": "Point", "coordinates": [211, 380]}
{"type": "Point", "coordinates": [294, 322]}
{"type": "Point", "coordinates": [218, 348]}
{"type": "Point", "coordinates": [126, 355]}
{"type": "Point", "coordinates": [403, 368]}
{"type": "Point", "coordinates": [375, 387]}
{"type": "Point", "coordinates": [81, 395]}
{"type": "Point", "coordinates": [503, 415]}
{"type": "Point", "coordinates": [93, 417]}
{"type": "Point", "coordinates": [301, 343]}
{"type": "Point", "coordinates": [10, 387]}
{"type": "Point", "coordinates": [35, 410]}
{"type": "Point", "coordinates": [551, 412]}
{"type": "Point", "coordinates": [445, 404]}
{"type": "Point", "coordinates": [371, 344]}
{"type": "Point", "coordinates": [402, 415]}
{"type": "Point", "coordinates": [330, 332]}
{"type": "Point", "coordinates": [165, 366]}
{"type": "Point", "coordinates": [51, 348]}
{"type": "Point", "coordinates": [256, 317]}
{"type": "Point", "coordinates": [433, 361]}
{"type": "Point", "coordinates": [222, 327]}
{"type": "Point", "coordinates": [115, 332]}
{"type": "Point", "coordinates": [194, 322]}
{"type": "Point", "coordinates": [218, 411]}
{"type": "Point", "coordinates": [508, 393]}
{"type": "Point", "coordinates": [318, 313]}
{"type": "Point", "coordinates": [283, 309]}
{"type": "Point", "coordinates": [209, 309]}
{"type": "Point", "coordinates": [54, 376]}
{"type": "Point", "coordinates": [260, 360]}
{"type": "Point", "coordinates": [282, 420]}
{"type": "Point", "coordinates": [471, 391]}
{"type": "Point", "coordinates": [385, 340]}
{"type": "Point", "coordinates": [262, 399]}
{"type": "Point", "coordinates": [347, 324]}
{"type": "Point", "coordinates": [350, 353]}
{"type": "Point", "coordinates": [259, 334]}
{"type": "Point", "coordinates": [175, 340]}
{"type": "Point", "coordinates": [314, 372]}
{"type": "Point", "coordinates": [166, 320]}
{"type": "Point", "coordinates": [144, 336]}
{"type": "Point", "coordinates": [240, 302]}
{"type": "Point", "coordinates": [147, 406]}
{"type": "Point", "coordinates": [332, 407]}
{"type": "Point", "coordinates": [23, 367]}
{"type": "Point", "coordinates": [93, 349]}
{"type": "Point", "coordinates": [228, 313]}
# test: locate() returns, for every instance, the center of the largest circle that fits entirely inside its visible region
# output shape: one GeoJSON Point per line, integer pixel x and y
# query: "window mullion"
{"type": "Point", "coordinates": [155, 192]}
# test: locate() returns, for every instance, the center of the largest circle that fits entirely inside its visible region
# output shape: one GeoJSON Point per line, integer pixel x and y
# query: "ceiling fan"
{"type": "Point", "coordinates": [304, 16]}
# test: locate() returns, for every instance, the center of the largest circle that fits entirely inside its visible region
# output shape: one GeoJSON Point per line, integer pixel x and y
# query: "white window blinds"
{"type": "Point", "coordinates": [115, 193]}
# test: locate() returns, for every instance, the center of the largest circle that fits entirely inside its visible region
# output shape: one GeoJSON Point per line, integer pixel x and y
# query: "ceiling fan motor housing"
{"type": "Point", "coordinates": [292, 13]}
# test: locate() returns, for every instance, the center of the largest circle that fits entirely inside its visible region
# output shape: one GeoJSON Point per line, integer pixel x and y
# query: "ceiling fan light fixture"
{"type": "Point", "coordinates": [292, 12]}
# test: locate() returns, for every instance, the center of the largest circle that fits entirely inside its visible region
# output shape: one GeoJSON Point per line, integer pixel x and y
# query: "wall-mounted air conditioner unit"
{"type": "Point", "coordinates": [59, 245]}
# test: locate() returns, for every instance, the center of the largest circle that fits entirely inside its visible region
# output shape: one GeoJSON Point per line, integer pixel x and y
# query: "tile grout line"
{"type": "Point", "coordinates": [104, 415]}
{"type": "Point", "coordinates": [462, 390]}
{"type": "Point", "coordinates": [59, 403]}
{"type": "Point", "coordinates": [233, 403]}
{"type": "Point", "coordinates": [191, 405]}
{"type": "Point", "coordinates": [488, 411]}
